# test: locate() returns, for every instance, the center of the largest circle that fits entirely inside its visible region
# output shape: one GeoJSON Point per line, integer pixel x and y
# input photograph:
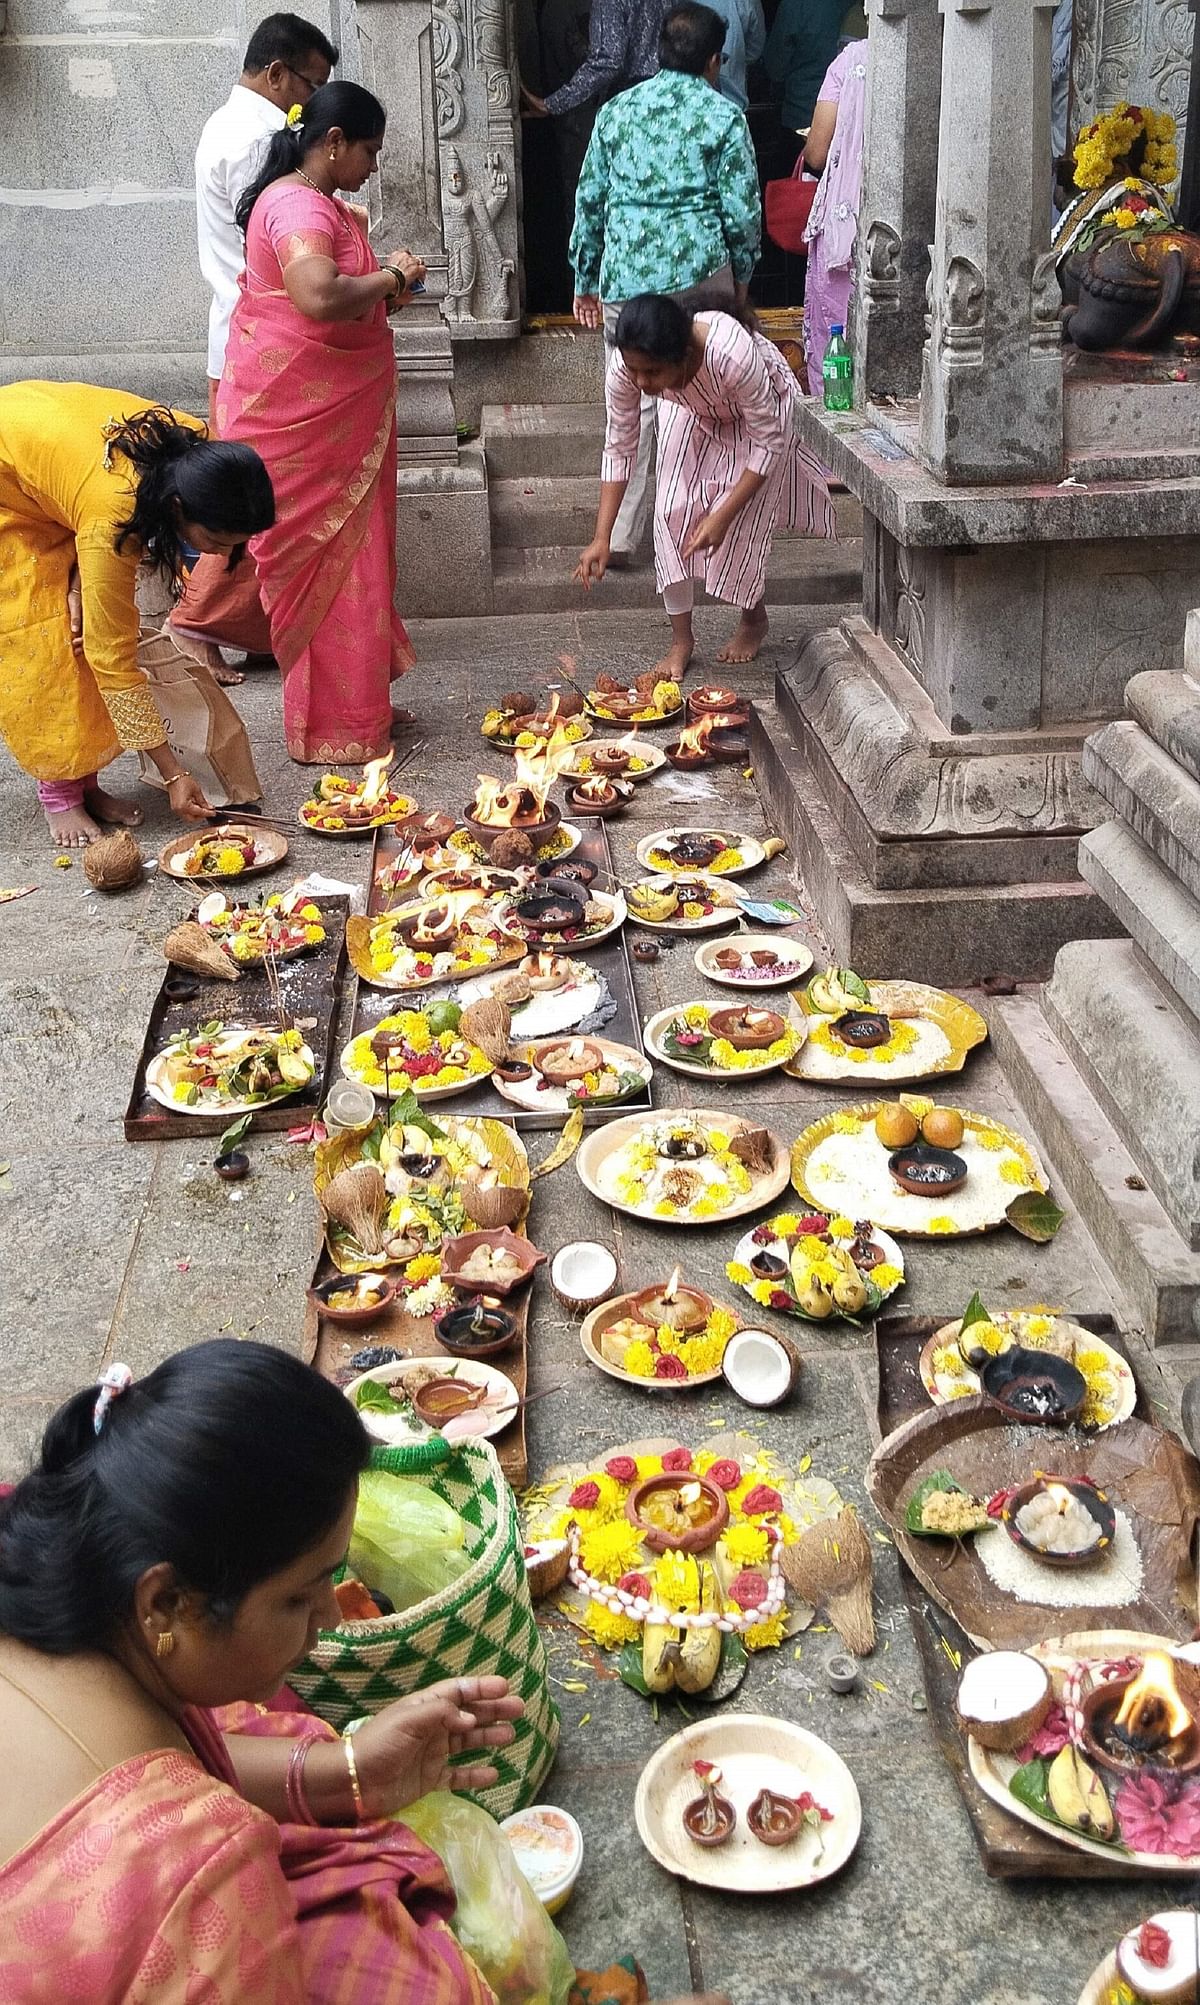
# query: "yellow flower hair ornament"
{"type": "Point", "coordinates": [295, 117]}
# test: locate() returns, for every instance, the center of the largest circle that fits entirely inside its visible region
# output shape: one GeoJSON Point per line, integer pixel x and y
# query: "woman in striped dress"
{"type": "Point", "coordinates": [729, 462]}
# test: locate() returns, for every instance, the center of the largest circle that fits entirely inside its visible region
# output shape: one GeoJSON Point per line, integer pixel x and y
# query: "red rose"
{"type": "Point", "coordinates": [1154, 1945]}
{"type": "Point", "coordinates": [995, 1505]}
{"type": "Point", "coordinates": [622, 1468]}
{"type": "Point", "coordinates": [676, 1460]}
{"type": "Point", "coordinates": [762, 1235]}
{"type": "Point", "coordinates": [635, 1583]}
{"type": "Point", "coordinates": [726, 1475]}
{"type": "Point", "coordinates": [762, 1498]}
{"type": "Point", "coordinates": [584, 1497]}
{"type": "Point", "coordinates": [813, 1225]}
{"type": "Point", "coordinates": [780, 1299]}
{"type": "Point", "coordinates": [667, 1365]}
{"type": "Point", "coordinates": [749, 1590]}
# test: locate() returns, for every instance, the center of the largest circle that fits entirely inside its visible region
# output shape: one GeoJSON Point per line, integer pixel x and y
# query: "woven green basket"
{"type": "Point", "coordinates": [482, 1624]}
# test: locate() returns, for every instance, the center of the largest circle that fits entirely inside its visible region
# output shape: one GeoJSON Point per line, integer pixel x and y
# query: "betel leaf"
{"type": "Point", "coordinates": [973, 1313]}
{"type": "Point", "coordinates": [1034, 1214]}
{"type": "Point", "coordinates": [407, 1110]}
{"type": "Point", "coordinates": [629, 1668]}
{"type": "Point", "coordinates": [853, 984]}
{"type": "Point", "coordinates": [373, 1397]}
{"type": "Point", "coordinates": [941, 1479]}
{"type": "Point", "coordinates": [236, 1132]}
{"type": "Point", "coordinates": [1028, 1785]}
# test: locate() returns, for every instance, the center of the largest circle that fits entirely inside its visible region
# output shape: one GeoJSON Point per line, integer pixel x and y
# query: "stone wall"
{"type": "Point", "coordinates": [101, 105]}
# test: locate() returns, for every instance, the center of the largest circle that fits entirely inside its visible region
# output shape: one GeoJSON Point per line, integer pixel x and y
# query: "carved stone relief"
{"type": "Point", "coordinates": [881, 267]}
{"type": "Point", "coordinates": [1045, 330]}
{"type": "Point", "coordinates": [962, 313]}
{"type": "Point", "coordinates": [908, 636]}
{"type": "Point", "coordinates": [478, 275]}
{"type": "Point", "coordinates": [474, 95]}
{"type": "Point", "coordinates": [1139, 50]}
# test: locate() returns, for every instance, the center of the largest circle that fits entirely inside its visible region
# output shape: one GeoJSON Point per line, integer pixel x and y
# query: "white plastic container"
{"type": "Point", "coordinates": [549, 1848]}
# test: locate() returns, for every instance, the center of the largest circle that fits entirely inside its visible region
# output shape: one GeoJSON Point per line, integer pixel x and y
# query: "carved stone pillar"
{"type": "Point", "coordinates": [896, 213]}
{"type": "Point", "coordinates": [475, 89]}
{"type": "Point", "coordinates": [991, 388]}
{"type": "Point", "coordinates": [1139, 50]}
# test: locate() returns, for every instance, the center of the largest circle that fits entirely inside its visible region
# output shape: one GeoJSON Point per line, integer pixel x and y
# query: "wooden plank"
{"type": "Point", "coordinates": [1008, 1848]}
{"type": "Point", "coordinates": [310, 987]}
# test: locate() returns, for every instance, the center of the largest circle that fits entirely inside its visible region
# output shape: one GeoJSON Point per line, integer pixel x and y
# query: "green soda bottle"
{"type": "Point", "coordinates": [837, 369]}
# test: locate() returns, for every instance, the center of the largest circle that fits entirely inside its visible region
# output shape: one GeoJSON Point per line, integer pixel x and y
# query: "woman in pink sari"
{"type": "Point", "coordinates": [834, 150]}
{"type": "Point", "coordinates": [310, 382]}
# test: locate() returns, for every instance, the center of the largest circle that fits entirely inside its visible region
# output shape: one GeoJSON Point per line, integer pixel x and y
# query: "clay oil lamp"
{"type": "Point", "coordinates": [694, 851]}
{"type": "Point", "coordinates": [645, 951]}
{"type": "Point", "coordinates": [571, 870]}
{"type": "Point", "coordinates": [557, 907]}
{"type": "Point", "coordinates": [567, 1061]}
{"type": "Point", "coordinates": [774, 1819]}
{"type": "Point", "coordinates": [353, 1299]}
{"type": "Point", "coordinates": [768, 1266]}
{"type": "Point", "coordinates": [1034, 1387]}
{"type": "Point", "coordinates": [513, 1071]}
{"type": "Point", "coordinates": [180, 987]}
{"type": "Point", "coordinates": [476, 1329]}
{"type": "Point", "coordinates": [435, 925]}
{"type": "Point", "coordinates": [599, 796]}
{"type": "Point", "coordinates": [678, 1308]}
{"type": "Point", "coordinates": [709, 1818]}
{"type": "Point", "coordinates": [728, 743]}
{"type": "Point", "coordinates": [682, 1513]}
{"type": "Point", "coordinates": [863, 1029]}
{"type": "Point", "coordinates": [1144, 1721]}
{"type": "Point", "coordinates": [746, 1028]}
{"type": "Point", "coordinates": [498, 809]}
{"type": "Point", "coordinates": [611, 758]}
{"type": "Point", "coordinates": [425, 832]}
{"type": "Point", "coordinates": [232, 1165]}
{"type": "Point", "coordinates": [443, 1399]}
{"type": "Point", "coordinates": [924, 1171]}
{"type": "Point", "coordinates": [1063, 1521]}
{"type": "Point", "coordinates": [712, 701]}
{"type": "Point", "coordinates": [690, 749]}
{"type": "Point", "coordinates": [545, 972]}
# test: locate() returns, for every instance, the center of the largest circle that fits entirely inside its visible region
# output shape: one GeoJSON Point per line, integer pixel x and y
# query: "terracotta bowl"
{"type": "Point", "coordinates": [602, 810]}
{"type": "Point", "coordinates": [729, 746]}
{"type": "Point", "coordinates": [610, 759]}
{"type": "Point", "coordinates": [862, 1028]}
{"type": "Point", "coordinates": [1021, 1381]}
{"type": "Point", "coordinates": [689, 1310]}
{"type": "Point", "coordinates": [554, 1065]}
{"type": "Point", "coordinates": [353, 1319]}
{"type": "Point", "coordinates": [1094, 1502]}
{"type": "Point", "coordinates": [569, 870]}
{"type": "Point", "coordinates": [698, 1540]}
{"type": "Point", "coordinates": [924, 1171]}
{"type": "Point", "coordinates": [456, 1332]}
{"type": "Point", "coordinates": [552, 908]}
{"type": "Point", "coordinates": [725, 1023]}
{"type": "Point", "coordinates": [456, 1252]}
{"type": "Point", "coordinates": [715, 702]}
{"type": "Point", "coordinates": [1099, 1707]}
{"type": "Point", "coordinates": [538, 832]}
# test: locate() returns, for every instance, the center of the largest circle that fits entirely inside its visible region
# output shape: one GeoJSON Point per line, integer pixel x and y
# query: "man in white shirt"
{"type": "Point", "coordinates": [287, 59]}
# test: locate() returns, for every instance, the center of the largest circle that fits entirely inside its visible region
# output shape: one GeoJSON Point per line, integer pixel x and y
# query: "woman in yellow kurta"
{"type": "Point", "coordinates": [97, 481]}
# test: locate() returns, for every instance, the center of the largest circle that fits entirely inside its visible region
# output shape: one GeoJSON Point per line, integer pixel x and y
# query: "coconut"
{"type": "Point", "coordinates": [113, 862]}
{"type": "Point", "coordinates": [546, 1563]}
{"type": "Point", "coordinates": [357, 1199]}
{"type": "Point", "coordinates": [1003, 1697]}
{"type": "Point", "coordinates": [492, 1204]}
{"type": "Point", "coordinates": [488, 1024]}
{"type": "Point", "coordinates": [1175, 1982]}
{"type": "Point", "coordinates": [761, 1367]}
{"type": "Point", "coordinates": [831, 1565]}
{"type": "Point", "coordinates": [189, 946]}
{"type": "Point", "coordinates": [583, 1274]}
{"type": "Point", "coordinates": [755, 1149]}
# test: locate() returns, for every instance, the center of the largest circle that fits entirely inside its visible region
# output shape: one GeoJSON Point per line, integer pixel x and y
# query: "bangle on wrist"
{"type": "Point", "coordinates": [401, 281]}
{"type": "Point", "coordinates": [293, 1785]}
{"type": "Point", "coordinates": [355, 1786]}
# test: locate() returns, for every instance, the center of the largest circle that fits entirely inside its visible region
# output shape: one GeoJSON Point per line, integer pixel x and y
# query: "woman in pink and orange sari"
{"type": "Point", "coordinates": [310, 382]}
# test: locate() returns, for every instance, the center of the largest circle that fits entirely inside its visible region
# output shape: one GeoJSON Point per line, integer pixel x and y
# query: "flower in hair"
{"type": "Point", "coordinates": [116, 1380]}
{"type": "Point", "coordinates": [295, 117]}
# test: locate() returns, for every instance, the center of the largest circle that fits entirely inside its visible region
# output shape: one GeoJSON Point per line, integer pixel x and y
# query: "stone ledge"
{"type": "Point", "coordinates": [917, 509]}
{"type": "Point", "coordinates": [1140, 1055]}
{"type": "Point", "coordinates": [1167, 706]}
{"type": "Point", "coordinates": [1161, 917]}
{"type": "Point", "coordinates": [1134, 1234]}
{"type": "Point", "coordinates": [1158, 800]}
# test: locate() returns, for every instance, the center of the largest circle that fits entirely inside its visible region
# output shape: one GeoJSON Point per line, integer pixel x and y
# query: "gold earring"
{"type": "Point", "coordinates": [165, 1644]}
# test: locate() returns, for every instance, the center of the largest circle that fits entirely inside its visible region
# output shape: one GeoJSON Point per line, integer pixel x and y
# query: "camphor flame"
{"type": "Point", "coordinates": [441, 920]}
{"type": "Point", "coordinates": [539, 766]}
{"type": "Point", "coordinates": [599, 791]}
{"type": "Point", "coordinates": [695, 738]}
{"type": "Point", "coordinates": [375, 780]}
{"type": "Point", "coordinates": [1152, 1711]}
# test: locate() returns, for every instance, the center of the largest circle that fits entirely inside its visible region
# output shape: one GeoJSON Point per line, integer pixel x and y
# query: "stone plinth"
{"type": "Point", "coordinates": [1121, 1021]}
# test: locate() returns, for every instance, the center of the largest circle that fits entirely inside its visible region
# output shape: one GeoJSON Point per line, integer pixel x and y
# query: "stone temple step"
{"type": "Point", "coordinates": [1090, 1162]}
{"type": "Point", "coordinates": [542, 439]}
{"type": "Point", "coordinates": [1167, 705]}
{"type": "Point", "coordinates": [1158, 914]}
{"type": "Point", "coordinates": [538, 579]}
{"type": "Point", "coordinates": [1158, 800]}
{"type": "Point", "coordinates": [532, 509]}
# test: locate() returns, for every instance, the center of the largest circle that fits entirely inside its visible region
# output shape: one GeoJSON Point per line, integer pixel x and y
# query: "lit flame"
{"type": "Point", "coordinates": [600, 791]}
{"type": "Point", "coordinates": [1152, 1705]}
{"type": "Point", "coordinates": [672, 1288]}
{"type": "Point", "coordinates": [539, 766]}
{"type": "Point", "coordinates": [440, 920]}
{"type": "Point", "coordinates": [630, 743]}
{"type": "Point", "coordinates": [695, 738]}
{"type": "Point", "coordinates": [716, 696]}
{"type": "Point", "coordinates": [1061, 1495]}
{"type": "Point", "coordinates": [375, 780]}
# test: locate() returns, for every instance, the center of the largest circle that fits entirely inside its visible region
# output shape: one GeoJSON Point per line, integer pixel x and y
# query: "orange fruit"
{"type": "Point", "coordinates": [943, 1128]}
{"type": "Point", "coordinates": [895, 1126]}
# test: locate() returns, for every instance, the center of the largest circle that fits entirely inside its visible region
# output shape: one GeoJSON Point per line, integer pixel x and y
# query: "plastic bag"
{"type": "Point", "coordinates": [499, 1920]}
{"type": "Point", "coordinates": [406, 1541]}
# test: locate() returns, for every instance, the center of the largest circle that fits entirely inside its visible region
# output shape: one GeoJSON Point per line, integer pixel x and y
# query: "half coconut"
{"type": "Point", "coordinates": [1003, 1698]}
{"type": "Point", "coordinates": [1160, 1960]}
{"type": "Point", "coordinates": [583, 1274]}
{"type": "Point", "coordinates": [546, 1563]}
{"type": "Point", "coordinates": [761, 1367]}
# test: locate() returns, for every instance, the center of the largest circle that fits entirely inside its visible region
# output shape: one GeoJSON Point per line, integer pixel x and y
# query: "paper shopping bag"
{"type": "Point", "coordinates": [203, 729]}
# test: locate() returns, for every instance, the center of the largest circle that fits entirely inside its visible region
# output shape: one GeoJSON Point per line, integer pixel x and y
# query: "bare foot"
{"type": "Point", "coordinates": [673, 665]}
{"type": "Point", "coordinates": [403, 720]}
{"type": "Point", "coordinates": [112, 809]}
{"type": "Point", "coordinates": [751, 633]}
{"type": "Point", "coordinates": [73, 829]}
{"type": "Point", "coordinates": [227, 677]}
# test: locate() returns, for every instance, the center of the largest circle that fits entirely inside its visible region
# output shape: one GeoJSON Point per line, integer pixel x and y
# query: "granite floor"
{"type": "Point", "coordinates": [118, 1251]}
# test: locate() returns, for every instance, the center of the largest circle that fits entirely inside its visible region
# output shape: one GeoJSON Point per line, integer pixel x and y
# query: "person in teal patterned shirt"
{"type": "Point", "coordinates": [667, 203]}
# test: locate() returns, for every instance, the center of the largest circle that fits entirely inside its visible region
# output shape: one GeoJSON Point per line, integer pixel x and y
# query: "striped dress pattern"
{"type": "Point", "coordinates": [738, 411]}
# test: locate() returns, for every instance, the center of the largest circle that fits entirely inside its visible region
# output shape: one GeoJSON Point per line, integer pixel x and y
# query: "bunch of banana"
{"type": "Point", "coordinates": [687, 1659]}
{"type": "Point", "coordinates": [1077, 1795]}
{"type": "Point", "coordinates": [832, 1283]}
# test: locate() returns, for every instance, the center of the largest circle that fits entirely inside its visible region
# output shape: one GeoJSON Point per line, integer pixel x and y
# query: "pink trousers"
{"type": "Point", "coordinates": [58, 797]}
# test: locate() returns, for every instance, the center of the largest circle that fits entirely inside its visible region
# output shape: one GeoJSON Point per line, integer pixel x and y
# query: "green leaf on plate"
{"type": "Point", "coordinates": [1034, 1214]}
{"type": "Point", "coordinates": [373, 1397]}
{"type": "Point", "coordinates": [1028, 1785]}
{"type": "Point", "coordinates": [629, 1667]}
{"type": "Point", "coordinates": [941, 1479]}
{"type": "Point", "coordinates": [974, 1313]}
{"type": "Point", "coordinates": [406, 1108]}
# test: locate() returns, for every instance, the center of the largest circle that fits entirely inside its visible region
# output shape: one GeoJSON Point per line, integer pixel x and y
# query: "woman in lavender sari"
{"type": "Point", "coordinates": [834, 150]}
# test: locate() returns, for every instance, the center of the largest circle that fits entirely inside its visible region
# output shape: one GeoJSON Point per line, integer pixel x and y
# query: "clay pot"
{"type": "Point", "coordinates": [701, 1537]}
{"type": "Point", "coordinates": [473, 1331]}
{"type": "Point", "coordinates": [486, 835]}
{"type": "Point", "coordinates": [732, 1025]}
{"type": "Point", "coordinates": [774, 1820]}
{"type": "Point", "coordinates": [569, 1059]}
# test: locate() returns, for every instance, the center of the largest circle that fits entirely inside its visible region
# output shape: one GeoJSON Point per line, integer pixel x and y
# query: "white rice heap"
{"type": "Point", "coordinates": [931, 1047]}
{"type": "Point", "coordinates": [849, 1174]}
{"type": "Point", "coordinates": [1111, 1581]}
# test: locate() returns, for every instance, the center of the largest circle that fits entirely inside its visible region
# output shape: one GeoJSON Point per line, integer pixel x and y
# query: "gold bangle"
{"type": "Point", "coordinates": [352, 1765]}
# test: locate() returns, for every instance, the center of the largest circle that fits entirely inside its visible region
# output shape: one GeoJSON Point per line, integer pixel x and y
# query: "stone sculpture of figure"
{"type": "Point", "coordinates": [479, 272]}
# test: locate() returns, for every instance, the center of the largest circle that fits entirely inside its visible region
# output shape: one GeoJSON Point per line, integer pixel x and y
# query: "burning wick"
{"type": "Point", "coordinates": [672, 1288]}
{"type": "Point", "coordinates": [1152, 1715]}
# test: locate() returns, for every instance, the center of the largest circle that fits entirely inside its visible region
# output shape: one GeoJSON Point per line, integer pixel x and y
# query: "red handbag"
{"type": "Point", "coordinates": [788, 204]}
